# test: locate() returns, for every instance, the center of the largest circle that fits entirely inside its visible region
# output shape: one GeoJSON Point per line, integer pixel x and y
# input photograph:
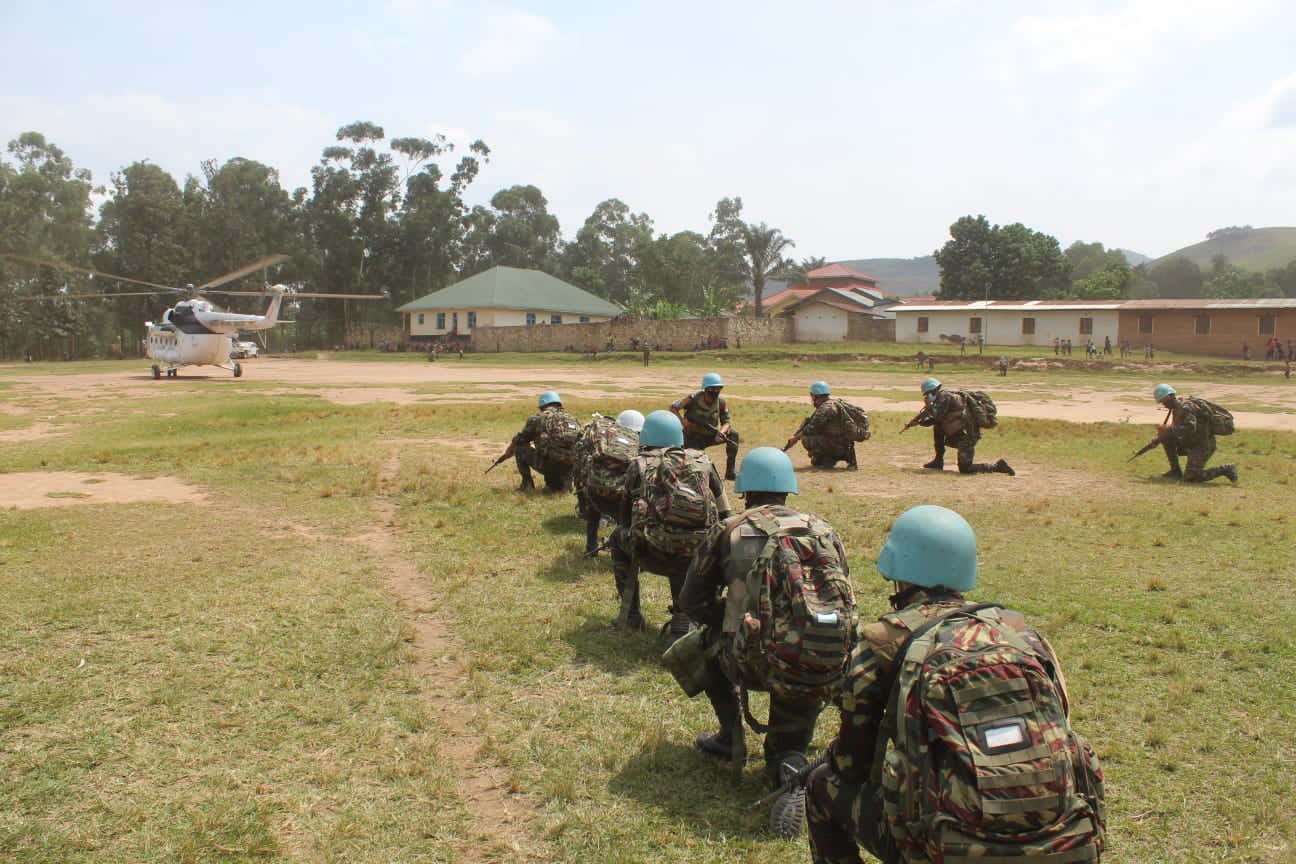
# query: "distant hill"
{"type": "Point", "coordinates": [903, 276]}
{"type": "Point", "coordinates": [1256, 249]}
{"type": "Point", "coordinates": [1134, 258]}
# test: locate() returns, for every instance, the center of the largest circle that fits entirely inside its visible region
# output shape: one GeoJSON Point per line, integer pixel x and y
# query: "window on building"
{"type": "Point", "coordinates": [974, 325]}
{"type": "Point", "coordinates": [1086, 326]}
{"type": "Point", "coordinates": [1267, 324]}
{"type": "Point", "coordinates": [530, 319]}
{"type": "Point", "coordinates": [1028, 326]}
{"type": "Point", "coordinates": [420, 319]}
{"type": "Point", "coordinates": [440, 321]}
{"type": "Point", "coordinates": [454, 321]}
{"type": "Point", "coordinates": [1201, 325]}
{"type": "Point", "coordinates": [584, 319]}
{"type": "Point", "coordinates": [555, 319]}
{"type": "Point", "coordinates": [923, 323]}
{"type": "Point", "coordinates": [472, 320]}
{"type": "Point", "coordinates": [1145, 322]}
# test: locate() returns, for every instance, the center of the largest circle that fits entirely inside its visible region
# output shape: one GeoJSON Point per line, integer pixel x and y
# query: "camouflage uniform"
{"type": "Point", "coordinates": [698, 410]}
{"type": "Point", "coordinates": [843, 808]}
{"type": "Point", "coordinates": [557, 476]}
{"type": "Point", "coordinates": [724, 557]}
{"type": "Point", "coordinates": [825, 437]}
{"type": "Point", "coordinates": [1190, 434]}
{"type": "Point", "coordinates": [953, 425]}
{"type": "Point", "coordinates": [630, 556]}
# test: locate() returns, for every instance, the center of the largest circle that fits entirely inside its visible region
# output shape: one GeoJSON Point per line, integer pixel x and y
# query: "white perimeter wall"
{"type": "Point", "coordinates": [1004, 327]}
{"type": "Point", "coordinates": [819, 323]}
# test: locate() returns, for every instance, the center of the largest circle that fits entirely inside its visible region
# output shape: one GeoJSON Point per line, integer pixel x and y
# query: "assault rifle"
{"type": "Point", "coordinates": [924, 414]}
{"type": "Point", "coordinates": [715, 430]}
{"type": "Point", "coordinates": [606, 544]}
{"type": "Point", "coordinates": [507, 454]}
{"type": "Point", "coordinates": [1156, 440]}
{"type": "Point", "coordinates": [791, 442]}
{"type": "Point", "coordinates": [793, 781]}
{"type": "Point", "coordinates": [1151, 445]}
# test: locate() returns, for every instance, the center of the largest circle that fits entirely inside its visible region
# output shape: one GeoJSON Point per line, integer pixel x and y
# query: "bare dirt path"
{"type": "Point", "coordinates": [500, 819]}
{"type": "Point", "coordinates": [1026, 393]}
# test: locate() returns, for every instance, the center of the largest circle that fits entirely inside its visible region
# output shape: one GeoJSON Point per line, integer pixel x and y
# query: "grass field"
{"type": "Point", "coordinates": [356, 647]}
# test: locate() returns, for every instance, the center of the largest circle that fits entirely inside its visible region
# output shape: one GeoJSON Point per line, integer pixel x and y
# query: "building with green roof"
{"type": "Point", "coordinates": [501, 297]}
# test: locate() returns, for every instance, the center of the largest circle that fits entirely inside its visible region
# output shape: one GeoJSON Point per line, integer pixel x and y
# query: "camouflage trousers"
{"type": "Point", "coordinates": [965, 443]}
{"type": "Point", "coordinates": [707, 439]}
{"type": "Point", "coordinates": [791, 722]}
{"type": "Point", "coordinates": [557, 477]}
{"type": "Point", "coordinates": [826, 451]}
{"type": "Point", "coordinates": [1195, 471]}
{"type": "Point", "coordinates": [842, 817]}
{"type": "Point", "coordinates": [630, 557]}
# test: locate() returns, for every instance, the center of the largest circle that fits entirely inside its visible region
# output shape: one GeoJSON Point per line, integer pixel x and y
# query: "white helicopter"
{"type": "Point", "coordinates": [194, 332]}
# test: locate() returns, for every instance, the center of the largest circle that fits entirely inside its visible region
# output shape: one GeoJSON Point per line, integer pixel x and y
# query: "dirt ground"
{"type": "Point", "coordinates": [41, 397]}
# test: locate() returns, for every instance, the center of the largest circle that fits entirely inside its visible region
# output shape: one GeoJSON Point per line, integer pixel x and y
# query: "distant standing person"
{"type": "Point", "coordinates": [647, 352]}
{"type": "Point", "coordinates": [956, 418]}
{"type": "Point", "coordinates": [705, 415]}
{"type": "Point", "coordinates": [1003, 366]}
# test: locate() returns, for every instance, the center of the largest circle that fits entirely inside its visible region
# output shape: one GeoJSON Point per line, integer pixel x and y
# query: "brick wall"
{"type": "Point", "coordinates": [677, 335]}
{"type": "Point", "coordinates": [1176, 330]}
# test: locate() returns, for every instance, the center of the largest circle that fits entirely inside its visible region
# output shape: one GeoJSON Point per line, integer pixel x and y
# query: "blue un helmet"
{"type": "Point", "coordinates": [661, 429]}
{"type": "Point", "coordinates": [1161, 391]}
{"type": "Point", "coordinates": [549, 397]}
{"type": "Point", "coordinates": [712, 379]}
{"type": "Point", "coordinates": [819, 388]}
{"type": "Point", "coordinates": [766, 469]}
{"type": "Point", "coordinates": [930, 546]}
{"type": "Point", "coordinates": [930, 385]}
{"type": "Point", "coordinates": [631, 419]}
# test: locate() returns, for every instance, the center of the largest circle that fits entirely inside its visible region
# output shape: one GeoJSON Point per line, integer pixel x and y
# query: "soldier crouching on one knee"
{"type": "Point", "coordinates": [1188, 430]}
{"type": "Point", "coordinates": [954, 425]}
{"type": "Point", "coordinates": [824, 432]}
{"type": "Point", "coordinates": [529, 451]}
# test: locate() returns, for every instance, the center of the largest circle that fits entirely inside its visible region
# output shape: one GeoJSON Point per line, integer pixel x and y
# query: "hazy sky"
{"type": "Point", "coordinates": [860, 129]}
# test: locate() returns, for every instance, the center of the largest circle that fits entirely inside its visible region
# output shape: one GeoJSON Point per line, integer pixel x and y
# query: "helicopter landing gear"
{"type": "Point", "coordinates": [238, 371]}
{"type": "Point", "coordinates": [157, 372]}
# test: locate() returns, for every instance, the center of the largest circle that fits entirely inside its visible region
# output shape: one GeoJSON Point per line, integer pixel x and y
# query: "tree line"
{"type": "Point", "coordinates": [388, 216]}
{"type": "Point", "coordinates": [383, 216]}
{"type": "Point", "coordinates": [1011, 262]}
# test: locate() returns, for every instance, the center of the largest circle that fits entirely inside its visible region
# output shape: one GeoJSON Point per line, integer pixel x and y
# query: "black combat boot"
{"type": "Point", "coordinates": [1002, 467]}
{"type": "Point", "coordinates": [937, 464]}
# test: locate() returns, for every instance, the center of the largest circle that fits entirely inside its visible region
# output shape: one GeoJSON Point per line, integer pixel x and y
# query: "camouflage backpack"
{"type": "Point", "coordinates": [676, 506]}
{"type": "Point", "coordinates": [556, 441]}
{"type": "Point", "coordinates": [604, 452]}
{"type": "Point", "coordinates": [976, 757]}
{"type": "Point", "coordinates": [983, 409]}
{"type": "Point", "coordinates": [790, 624]}
{"type": "Point", "coordinates": [855, 421]}
{"type": "Point", "coordinates": [1219, 418]}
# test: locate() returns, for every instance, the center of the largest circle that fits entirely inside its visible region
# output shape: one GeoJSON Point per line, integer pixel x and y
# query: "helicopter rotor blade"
{"type": "Point", "coordinates": [289, 295]}
{"type": "Point", "coordinates": [268, 261]}
{"type": "Point", "coordinates": [87, 296]}
{"type": "Point", "coordinates": [58, 265]}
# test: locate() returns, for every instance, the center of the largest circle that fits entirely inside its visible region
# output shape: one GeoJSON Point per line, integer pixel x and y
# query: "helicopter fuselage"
{"type": "Point", "coordinates": [195, 333]}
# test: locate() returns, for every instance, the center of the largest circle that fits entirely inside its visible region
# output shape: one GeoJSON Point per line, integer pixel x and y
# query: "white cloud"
{"type": "Point", "coordinates": [510, 38]}
{"type": "Point", "coordinates": [1113, 50]}
{"type": "Point", "coordinates": [1245, 146]}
